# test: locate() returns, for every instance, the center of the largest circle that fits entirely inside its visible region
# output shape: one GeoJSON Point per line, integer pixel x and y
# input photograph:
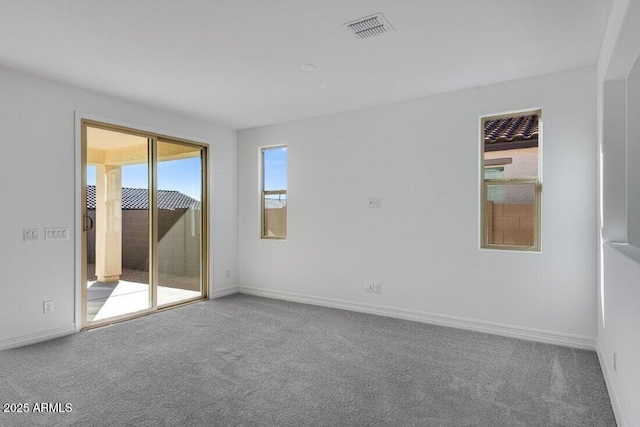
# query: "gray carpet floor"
{"type": "Point", "coordinates": [248, 361]}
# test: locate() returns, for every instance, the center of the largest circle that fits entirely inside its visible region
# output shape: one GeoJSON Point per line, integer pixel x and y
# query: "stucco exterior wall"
{"type": "Point", "coordinates": [179, 233]}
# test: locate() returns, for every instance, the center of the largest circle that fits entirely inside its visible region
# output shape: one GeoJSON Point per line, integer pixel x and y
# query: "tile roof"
{"type": "Point", "coordinates": [137, 199]}
{"type": "Point", "coordinates": [511, 129]}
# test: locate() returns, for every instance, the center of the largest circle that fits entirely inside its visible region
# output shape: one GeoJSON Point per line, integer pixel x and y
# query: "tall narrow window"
{"type": "Point", "coordinates": [274, 192]}
{"type": "Point", "coordinates": [511, 181]}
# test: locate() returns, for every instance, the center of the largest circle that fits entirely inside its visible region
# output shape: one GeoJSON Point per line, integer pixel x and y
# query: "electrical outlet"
{"type": "Point", "coordinates": [615, 362]}
{"type": "Point", "coordinates": [373, 288]}
{"type": "Point", "coordinates": [228, 273]}
{"type": "Point", "coordinates": [47, 307]}
{"type": "Point", "coordinates": [375, 202]}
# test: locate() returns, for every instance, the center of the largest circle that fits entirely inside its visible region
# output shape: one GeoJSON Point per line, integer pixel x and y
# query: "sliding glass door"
{"type": "Point", "coordinates": [179, 205]}
{"type": "Point", "coordinates": [144, 223]}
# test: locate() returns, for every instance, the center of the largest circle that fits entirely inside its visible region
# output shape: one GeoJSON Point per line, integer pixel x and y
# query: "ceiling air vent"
{"type": "Point", "coordinates": [370, 26]}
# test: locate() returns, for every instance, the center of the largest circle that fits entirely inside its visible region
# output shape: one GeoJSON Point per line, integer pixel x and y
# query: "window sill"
{"type": "Point", "coordinates": [511, 250]}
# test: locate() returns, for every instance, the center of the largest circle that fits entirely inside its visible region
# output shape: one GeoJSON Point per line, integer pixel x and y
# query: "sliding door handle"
{"type": "Point", "coordinates": [88, 223]}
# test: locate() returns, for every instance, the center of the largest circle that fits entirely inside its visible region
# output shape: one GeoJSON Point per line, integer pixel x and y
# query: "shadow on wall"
{"type": "Point", "coordinates": [178, 241]}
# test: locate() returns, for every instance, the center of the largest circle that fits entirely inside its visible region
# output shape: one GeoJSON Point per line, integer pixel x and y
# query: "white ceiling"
{"type": "Point", "coordinates": [238, 62]}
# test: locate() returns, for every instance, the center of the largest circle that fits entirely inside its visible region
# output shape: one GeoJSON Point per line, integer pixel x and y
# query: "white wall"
{"type": "Point", "coordinates": [422, 158]}
{"type": "Point", "coordinates": [633, 155]}
{"type": "Point", "coordinates": [614, 125]}
{"type": "Point", "coordinates": [37, 190]}
{"type": "Point", "coordinates": [620, 330]}
{"type": "Point", "coordinates": [619, 285]}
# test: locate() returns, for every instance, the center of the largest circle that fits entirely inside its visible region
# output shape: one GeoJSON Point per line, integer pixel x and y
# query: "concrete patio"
{"type": "Point", "coordinates": [131, 293]}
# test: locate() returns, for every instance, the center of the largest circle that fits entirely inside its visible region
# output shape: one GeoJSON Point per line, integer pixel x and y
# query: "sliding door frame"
{"type": "Point", "coordinates": [204, 207]}
{"type": "Point", "coordinates": [83, 122]}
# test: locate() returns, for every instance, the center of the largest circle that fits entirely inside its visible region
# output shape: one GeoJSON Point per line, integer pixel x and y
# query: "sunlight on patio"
{"type": "Point", "coordinates": [106, 300]}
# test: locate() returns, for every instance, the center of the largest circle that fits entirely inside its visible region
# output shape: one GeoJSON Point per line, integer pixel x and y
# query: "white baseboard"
{"type": "Point", "coordinates": [32, 338]}
{"type": "Point", "coordinates": [608, 380]}
{"type": "Point", "coordinates": [530, 334]}
{"type": "Point", "coordinates": [47, 334]}
{"type": "Point", "coordinates": [219, 293]}
{"type": "Point", "coordinates": [435, 319]}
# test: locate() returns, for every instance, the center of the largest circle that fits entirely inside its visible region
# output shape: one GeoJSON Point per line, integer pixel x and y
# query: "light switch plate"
{"type": "Point", "coordinates": [30, 234]}
{"type": "Point", "coordinates": [58, 233]}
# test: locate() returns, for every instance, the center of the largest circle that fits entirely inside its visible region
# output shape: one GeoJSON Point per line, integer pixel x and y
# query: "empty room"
{"type": "Point", "coordinates": [320, 213]}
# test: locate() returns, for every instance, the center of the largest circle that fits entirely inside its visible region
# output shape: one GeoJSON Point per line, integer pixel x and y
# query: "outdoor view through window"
{"type": "Point", "coordinates": [511, 185]}
{"type": "Point", "coordinates": [274, 192]}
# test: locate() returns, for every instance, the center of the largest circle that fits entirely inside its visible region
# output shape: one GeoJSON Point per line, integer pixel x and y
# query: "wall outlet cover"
{"type": "Point", "coordinates": [47, 306]}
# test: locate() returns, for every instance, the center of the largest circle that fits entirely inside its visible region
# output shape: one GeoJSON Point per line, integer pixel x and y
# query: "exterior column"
{"type": "Point", "coordinates": [108, 223]}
